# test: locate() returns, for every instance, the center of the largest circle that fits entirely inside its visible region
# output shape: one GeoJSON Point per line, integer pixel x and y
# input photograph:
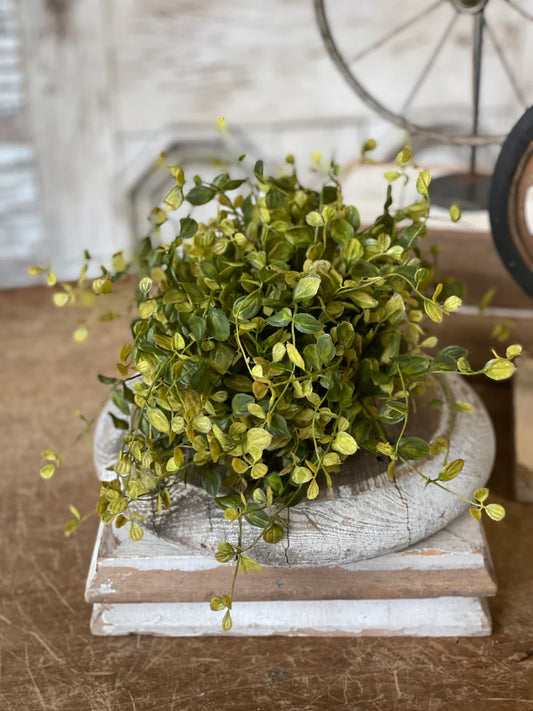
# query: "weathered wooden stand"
{"type": "Point", "coordinates": [393, 559]}
{"type": "Point", "coordinates": [435, 588]}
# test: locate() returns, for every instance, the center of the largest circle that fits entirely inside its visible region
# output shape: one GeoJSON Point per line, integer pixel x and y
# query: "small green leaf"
{"type": "Point", "coordinates": [331, 459]}
{"type": "Point", "coordinates": [495, 512]}
{"type": "Point", "coordinates": [61, 299]}
{"type": "Point", "coordinates": [300, 475]}
{"type": "Point", "coordinates": [70, 526]}
{"type": "Point", "coordinates": [278, 352]}
{"type": "Point", "coordinates": [200, 195]}
{"type": "Point", "coordinates": [344, 443]}
{"type": "Point", "coordinates": [197, 324]}
{"type": "Point", "coordinates": [273, 534]}
{"type": "Point", "coordinates": [433, 310]}
{"type": "Point", "coordinates": [440, 445]}
{"type": "Point", "coordinates": [201, 423]}
{"type": "Point", "coordinates": [476, 513]}
{"type": "Point", "coordinates": [158, 420]}
{"type": "Point", "coordinates": [513, 351]}
{"type": "Point", "coordinates": [481, 494]}
{"type": "Point", "coordinates": [178, 174]}
{"type": "Point", "coordinates": [392, 175]}
{"type": "Point", "coordinates": [325, 348]}
{"type": "Point", "coordinates": [118, 423]}
{"type": "Point", "coordinates": [306, 288]}
{"type": "Point", "coordinates": [364, 300]}
{"type": "Point", "coordinates": [451, 470]}
{"type": "Point", "coordinates": [239, 404]}
{"type": "Point", "coordinates": [455, 212]}
{"type": "Point", "coordinates": [314, 219]}
{"type": "Point", "coordinates": [47, 471]}
{"type": "Point", "coordinates": [227, 622]}
{"type": "Point", "coordinates": [463, 366]}
{"type": "Point", "coordinates": [422, 183]}
{"type": "Point", "coordinates": [145, 285]}
{"type": "Point", "coordinates": [465, 407]}
{"type": "Point", "coordinates": [312, 489]}
{"type": "Point", "coordinates": [217, 604]}
{"type": "Point", "coordinates": [231, 513]}
{"type": "Point", "coordinates": [80, 334]}
{"type": "Point", "coordinates": [258, 437]}
{"type": "Point", "coordinates": [218, 325]}
{"type": "Point", "coordinates": [246, 307]}
{"type": "Point", "coordinates": [135, 531]}
{"type": "Point", "coordinates": [174, 198]}
{"type": "Point", "coordinates": [499, 369]}
{"type": "Point", "coordinates": [341, 230]}
{"type": "Point", "coordinates": [306, 323]}
{"type": "Point", "coordinates": [246, 564]}
{"type": "Point", "coordinates": [452, 303]}
{"type": "Point", "coordinates": [281, 318]}
{"type": "Point", "coordinates": [404, 156]}
{"type": "Point", "coordinates": [225, 552]}
{"type": "Point", "coordinates": [188, 227]}
{"type": "Point", "coordinates": [259, 470]}
{"type": "Point", "coordinates": [159, 216]}
{"type": "Point", "coordinates": [146, 308]}
{"type": "Point", "coordinates": [413, 448]}
{"type": "Point", "coordinates": [294, 356]}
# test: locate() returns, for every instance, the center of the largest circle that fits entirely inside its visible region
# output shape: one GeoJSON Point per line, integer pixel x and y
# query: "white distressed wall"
{"type": "Point", "coordinates": [21, 233]}
{"type": "Point", "coordinates": [92, 90]}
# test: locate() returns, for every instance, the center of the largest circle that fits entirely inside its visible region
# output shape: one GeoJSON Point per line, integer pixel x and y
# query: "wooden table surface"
{"type": "Point", "coordinates": [48, 659]}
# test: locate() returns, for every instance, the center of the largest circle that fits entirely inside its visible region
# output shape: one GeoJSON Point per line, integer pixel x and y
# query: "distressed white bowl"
{"type": "Point", "coordinates": [363, 515]}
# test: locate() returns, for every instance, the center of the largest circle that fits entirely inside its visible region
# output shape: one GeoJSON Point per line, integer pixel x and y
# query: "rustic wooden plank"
{"type": "Point", "coordinates": [523, 430]}
{"type": "Point", "coordinates": [437, 617]}
{"type": "Point", "coordinates": [71, 115]}
{"type": "Point", "coordinates": [453, 562]}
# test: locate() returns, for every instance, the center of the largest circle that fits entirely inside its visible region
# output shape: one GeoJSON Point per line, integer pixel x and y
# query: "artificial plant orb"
{"type": "Point", "coordinates": [271, 343]}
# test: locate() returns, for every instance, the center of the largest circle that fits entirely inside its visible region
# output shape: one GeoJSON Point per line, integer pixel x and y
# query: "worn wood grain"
{"type": "Point", "coordinates": [453, 562]}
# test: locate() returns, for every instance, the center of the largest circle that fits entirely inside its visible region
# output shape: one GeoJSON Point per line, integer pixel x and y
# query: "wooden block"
{"type": "Point", "coordinates": [157, 587]}
{"type": "Point", "coordinates": [523, 430]}
{"type": "Point", "coordinates": [453, 562]}
{"type": "Point", "coordinates": [433, 617]}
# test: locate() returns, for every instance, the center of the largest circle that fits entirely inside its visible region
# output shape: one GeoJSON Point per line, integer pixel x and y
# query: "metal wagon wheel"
{"type": "Point", "coordinates": [451, 13]}
{"type": "Point", "coordinates": [511, 202]}
{"type": "Point", "coordinates": [511, 189]}
{"type": "Point", "coordinates": [442, 18]}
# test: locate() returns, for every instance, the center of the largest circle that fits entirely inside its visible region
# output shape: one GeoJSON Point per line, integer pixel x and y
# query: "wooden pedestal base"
{"type": "Point", "coordinates": [434, 588]}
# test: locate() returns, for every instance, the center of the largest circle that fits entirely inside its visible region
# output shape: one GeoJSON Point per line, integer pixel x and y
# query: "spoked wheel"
{"type": "Point", "coordinates": [455, 45]}
{"type": "Point", "coordinates": [511, 202]}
